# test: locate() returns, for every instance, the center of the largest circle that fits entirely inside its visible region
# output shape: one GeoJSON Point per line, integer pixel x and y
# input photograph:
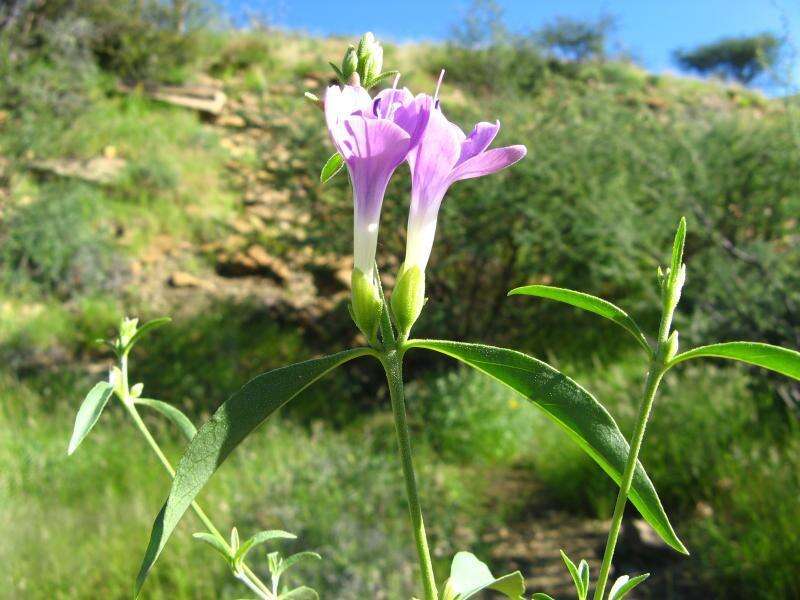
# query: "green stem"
{"type": "Point", "coordinates": [651, 387]}
{"type": "Point", "coordinates": [658, 366]}
{"type": "Point", "coordinates": [127, 402]}
{"type": "Point", "coordinates": [393, 364]}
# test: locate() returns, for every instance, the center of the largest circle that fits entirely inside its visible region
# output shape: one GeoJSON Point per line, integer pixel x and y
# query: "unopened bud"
{"type": "Point", "coordinates": [349, 62]}
{"type": "Point", "coordinates": [408, 298]}
{"type": "Point", "coordinates": [672, 346]}
{"type": "Point", "coordinates": [370, 58]}
{"type": "Point", "coordinates": [127, 329]}
{"type": "Point", "coordinates": [366, 303]}
{"type": "Point", "coordinates": [136, 390]}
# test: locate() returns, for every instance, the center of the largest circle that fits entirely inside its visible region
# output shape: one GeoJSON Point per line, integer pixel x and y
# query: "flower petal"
{"type": "Point", "coordinates": [372, 149]}
{"type": "Point", "coordinates": [341, 103]}
{"type": "Point", "coordinates": [478, 140]}
{"type": "Point", "coordinates": [488, 162]}
{"type": "Point", "coordinates": [433, 160]}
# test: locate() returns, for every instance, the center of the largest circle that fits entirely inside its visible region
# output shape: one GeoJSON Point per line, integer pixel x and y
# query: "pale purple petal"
{"type": "Point", "coordinates": [413, 116]}
{"type": "Point", "coordinates": [432, 161]}
{"type": "Point", "coordinates": [478, 140]}
{"type": "Point", "coordinates": [488, 162]}
{"type": "Point", "coordinates": [372, 149]}
{"type": "Point", "coordinates": [341, 103]}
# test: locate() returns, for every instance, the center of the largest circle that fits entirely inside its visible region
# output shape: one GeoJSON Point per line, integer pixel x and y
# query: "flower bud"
{"type": "Point", "coordinates": [408, 298]}
{"type": "Point", "coordinates": [136, 390]}
{"type": "Point", "coordinates": [349, 63]}
{"type": "Point", "coordinates": [370, 58]}
{"type": "Point", "coordinates": [366, 304]}
{"type": "Point", "coordinates": [672, 346]}
{"type": "Point", "coordinates": [127, 329]}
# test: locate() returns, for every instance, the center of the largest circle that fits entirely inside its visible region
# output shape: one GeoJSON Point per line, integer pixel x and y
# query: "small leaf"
{"type": "Point", "coordinates": [149, 326]}
{"type": "Point", "coordinates": [377, 79]}
{"type": "Point", "coordinates": [224, 431]}
{"type": "Point", "coordinates": [339, 73]}
{"type": "Point", "coordinates": [332, 166]}
{"type": "Point", "coordinates": [572, 408]}
{"type": "Point", "coordinates": [781, 360]}
{"type": "Point", "coordinates": [587, 302]}
{"type": "Point", "coordinates": [541, 596]}
{"type": "Point", "coordinates": [576, 578]}
{"type": "Point", "coordinates": [260, 538]}
{"type": "Point", "coordinates": [468, 576]}
{"type": "Point", "coordinates": [214, 542]}
{"type": "Point", "coordinates": [301, 593]}
{"type": "Point", "coordinates": [89, 412]}
{"type": "Point", "coordinates": [625, 584]}
{"type": "Point", "coordinates": [173, 414]}
{"type": "Point", "coordinates": [292, 560]}
{"type": "Point", "coordinates": [677, 247]}
{"type": "Point", "coordinates": [583, 573]}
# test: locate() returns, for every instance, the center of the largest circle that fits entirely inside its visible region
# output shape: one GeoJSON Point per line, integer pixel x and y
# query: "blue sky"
{"type": "Point", "coordinates": [648, 29]}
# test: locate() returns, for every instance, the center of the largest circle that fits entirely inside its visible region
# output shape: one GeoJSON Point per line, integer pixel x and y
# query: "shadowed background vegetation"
{"type": "Point", "coordinates": [219, 221]}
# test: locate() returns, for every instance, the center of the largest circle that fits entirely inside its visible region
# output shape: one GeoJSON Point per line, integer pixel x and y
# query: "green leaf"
{"type": "Point", "coordinates": [173, 414]}
{"type": "Point", "coordinates": [574, 409]}
{"type": "Point", "coordinates": [218, 437]}
{"type": "Point", "coordinates": [576, 577]}
{"type": "Point", "coordinates": [260, 538]}
{"type": "Point", "coordinates": [583, 573]}
{"type": "Point", "coordinates": [89, 412]}
{"type": "Point", "coordinates": [332, 166]}
{"type": "Point", "coordinates": [149, 326]}
{"type": "Point", "coordinates": [292, 560]}
{"type": "Point", "coordinates": [598, 306]}
{"type": "Point", "coordinates": [339, 73]}
{"type": "Point", "coordinates": [677, 248]}
{"type": "Point", "coordinates": [781, 360]}
{"type": "Point", "coordinates": [468, 576]}
{"type": "Point", "coordinates": [214, 542]}
{"type": "Point", "coordinates": [541, 596]}
{"type": "Point", "coordinates": [625, 584]}
{"type": "Point", "coordinates": [301, 593]}
{"type": "Point", "coordinates": [376, 80]}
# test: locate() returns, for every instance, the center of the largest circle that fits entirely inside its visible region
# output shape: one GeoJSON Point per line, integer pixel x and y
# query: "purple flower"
{"type": "Point", "coordinates": [373, 136]}
{"type": "Point", "coordinates": [443, 156]}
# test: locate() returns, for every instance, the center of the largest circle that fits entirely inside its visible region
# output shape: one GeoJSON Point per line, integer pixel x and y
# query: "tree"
{"type": "Point", "coordinates": [574, 39]}
{"type": "Point", "coordinates": [739, 58]}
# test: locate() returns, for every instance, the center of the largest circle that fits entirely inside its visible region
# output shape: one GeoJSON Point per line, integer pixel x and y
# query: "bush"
{"type": "Point", "coordinates": [53, 244]}
{"type": "Point", "coordinates": [469, 417]}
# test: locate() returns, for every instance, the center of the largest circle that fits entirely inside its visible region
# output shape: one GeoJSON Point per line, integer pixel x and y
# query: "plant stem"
{"type": "Point", "coordinates": [393, 365]}
{"type": "Point", "coordinates": [651, 387]}
{"type": "Point", "coordinates": [658, 366]}
{"type": "Point", "coordinates": [129, 405]}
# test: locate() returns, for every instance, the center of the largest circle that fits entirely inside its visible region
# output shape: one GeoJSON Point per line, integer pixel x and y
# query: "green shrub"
{"type": "Point", "coordinates": [469, 417]}
{"type": "Point", "coordinates": [53, 244]}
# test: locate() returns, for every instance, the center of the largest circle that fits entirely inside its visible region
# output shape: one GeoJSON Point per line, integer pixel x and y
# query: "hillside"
{"type": "Point", "coordinates": [114, 202]}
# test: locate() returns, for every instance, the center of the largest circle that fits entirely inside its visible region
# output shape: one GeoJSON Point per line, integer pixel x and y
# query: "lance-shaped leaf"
{"type": "Point", "coordinates": [571, 407]}
{"type": "Point", "coordinates": [218, 437]}
{"type": "Point", "coordinates": [149, 326]}
{"type": "Point", "coordinates": [469, 576]}
{"type": "Point", "coordinates": [214, 542]}
{"type": "Point", "coordinates": [587, 302]}
{"type": "Point", "coordinates": [781, 360]}
{"type": "Point", "coordinates": [173, 414]}
{"type": "Point", "coordinates": [577, 575]}
{"type": "Point", "coordinates": [89, 412]}
{"type": "Point", "coordinates": [301, 593]}
{"type": "Point", "coordinates": [332, 166]}
{"type": "Point", "coordinates": [262, 537]}
{"type": "Point", "coordinates": [625, 584]}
